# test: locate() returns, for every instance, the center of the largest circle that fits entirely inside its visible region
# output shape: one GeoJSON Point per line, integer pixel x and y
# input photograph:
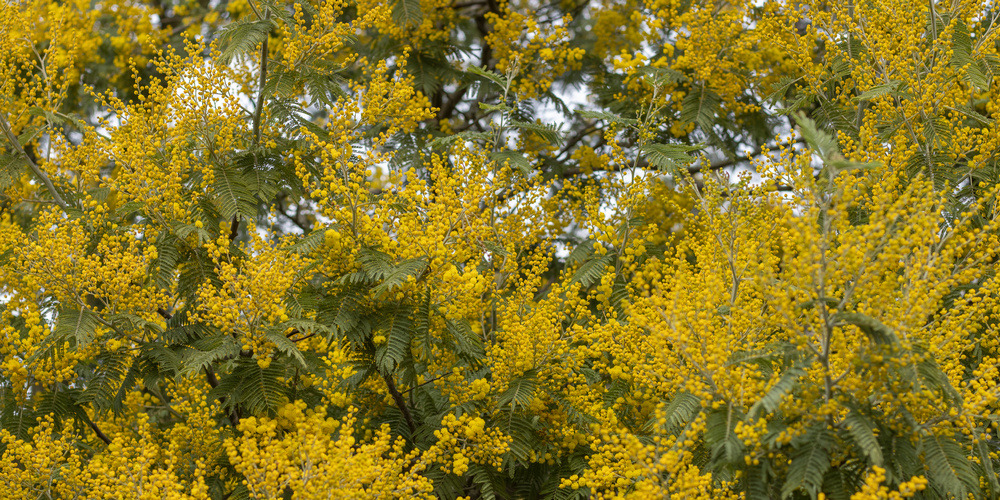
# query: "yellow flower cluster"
{"type": "Point", "coordinates": [418, 24]}
{"type": "Point", "coordinates": [316, 457]}
{"type": "Point", "coordinates": [432, 302]}
{"type": "Point", "coordinates": [536, 53]}
{"type": "Point", "coordinates": [325, 36]}
{"type": "Point", "coordinates": [249, 297]}
{"type": "Point", "coordinates": [135, 465]}
{"type": "Point", "coordinates": [873, 488]}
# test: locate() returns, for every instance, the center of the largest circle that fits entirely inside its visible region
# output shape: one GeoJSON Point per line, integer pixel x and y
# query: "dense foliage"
{"type": "Point", "coordinates": [499, 249]}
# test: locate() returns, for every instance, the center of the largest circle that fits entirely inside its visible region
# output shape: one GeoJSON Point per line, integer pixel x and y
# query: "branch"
{"type": "Point", "coordinates": [282, 210]}
{"type": "Point", "coordinates": [234, 416]}
{"type": "Point", "coordinates": [693, 169]}
{"type": "Point", "coordinates": [473, 3]}
{"type": "Point", "coordinates": [576, 138]}
{"type": "Point", "coordinates": [263, 81]}
{"type": "Point", "coordinates": [14, 144]}
{"type": "Point", "coordinates": [400, 402]}
{"type": "Point", "coordinates": [163, 313]}
{"type": "Point", "coordinates": [728, 162]}
{"type": "Point", "coordinates": [448, 108]}
{"type": "Point", "coordinates": [97, 431]}
{"type": "Point", "coordinates": [423, 384]}
{"type": "Point", "coordinates": [300, 339]}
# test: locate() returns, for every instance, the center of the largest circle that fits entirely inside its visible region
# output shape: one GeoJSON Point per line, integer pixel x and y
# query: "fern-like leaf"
{"type": "Point", "coordinates": [861, 430]}
{"type": "Point", "coordinates": [592, 270]}
{"type": "Point", "coordinates": [947, 465]}
{"type": "Point", "coordinates": [407, 12]}
{"type": "Point", "coordinates": [239, 38]}
{"type": "Point", "coordinates": [681, 410]}
{"type": "Point", "coordinates": [398, 328]}
{"type": "Point", "coordinates": [772, 398]}
{"type": "Point", "coordinates": [809, 462]}
{"type": "Point", "coordinates": [513, 159]}
{"type": "Point", "coordinates": [668, 157]}
{"type": "Point", "coordinates": [521, 391]}
{"type": "Point", "coordinates": [78, 325]}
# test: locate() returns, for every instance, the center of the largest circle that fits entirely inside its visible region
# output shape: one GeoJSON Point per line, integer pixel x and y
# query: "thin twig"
{"type": "Point", "coordinates": [423, 384]}
{"type": "Point", "coordinates": [34, 167]}
{"type": "Point", "coordinates": [311, 335]}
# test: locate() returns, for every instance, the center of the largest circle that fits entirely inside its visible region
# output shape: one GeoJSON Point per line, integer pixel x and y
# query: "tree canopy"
{"type": "Point", "coordinates": [490, 249]}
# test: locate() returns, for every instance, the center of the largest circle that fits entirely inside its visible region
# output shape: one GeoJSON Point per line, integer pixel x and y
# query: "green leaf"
{"type": "Point", "coordinates": [780, 88]}
{"type": "Point", "coordinates": [861, 430]}
{"type": "Point", "coordinates": [129, 208]}
{"type": "Point", "coordinates": [591, 271]}
{"type": "Point", "coordinates": [947, 465]}
{"type": "Point", "coordinates": [662, 76]}
{"type": "Point", "coordinates": [467, 343]}
{"type": "Point", "coordinates": [668, 157]}
{"type": "Point", "coordinates": [755, 483]}
{"type": "Point", "coordinates": [486, 480]}
{"type": "Point", "coordinates": [167, 360]}
{"type": "Point", "coordinates": [399, 275]}
{"type": "Point", "coordinates": [549, 132]}
{"type": "Point", "coordinates": [309, 243]}
{"type": "Point", "coordinates": [819, 141]}
{"type": "Point", "coordinates": [890, 87]}
{"type": "Point", "coordinates": [407, 13]}
{"type": "Point", "coordinates": [78, 325]}
{"type": "Point", "coordinates": [845, 165]}
{"type": "Point", "coordinates": [608, 117]}
{"type": "Point", "coordinates": [681, 410]}
{"type": "Point", "coordinates": [285, 345]}
{"type": "Point", "coordinates": [580, 253]}
{"type": "Point", "coordinates": [258, 388]}
{"type": "Point", "coordinates": [522, 432]}
{"type": "Point", "coordinates": [497, 79]}
{"type": "Point", "coordinates": [700, 106]}
{"type": "Point", "coordinates": [398, 329]}
{"type": "Point", "coordinates": [503, 108]}
{"type": "Point", "coordinates": [771, 400]}
{"type": "Point", "coordinates": [514, 159]}
{"type": "Point", "coordinates": [971, 113]}
{"type": "Point", "coordinates": [57, 117]}
{"type": "Point", "coordinates": [61, 402]}
{"type": "Point", "coordinates": [341, 311]}
{"type": "Point", "coordinates": [184, 231]}
{"type": "Point", "coordinates": [982, 450]}
{"type": "Point", "coordinates": [231, 194]}
{"type": "Point", "coordinates": [114, 376]}
{"type": "Point", "coordinates": [206, 351]}
{"type": "Point", "coordinates": [962, 56]}
{"type": "Point", "coordinates": [12, 166]}
{"type": "Point", "coordinates": [521, 391]}
{"type": "Point", "coordinates": [809, 461]}
{"type": "Point", "coordinates": [241, 37]}
{"type": "Point", "coordinates": [873, 328]}
{"type": "Point", "coordinates": [839, 483]}
{"type": "Point", "coordinates": [727, 449]}
{"type": "Point", "coordinates": [375, 264]}
{"type": "Point", "coordinates": [467, 136]}
{"type": "Point", "coordinates": [30, 133]}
